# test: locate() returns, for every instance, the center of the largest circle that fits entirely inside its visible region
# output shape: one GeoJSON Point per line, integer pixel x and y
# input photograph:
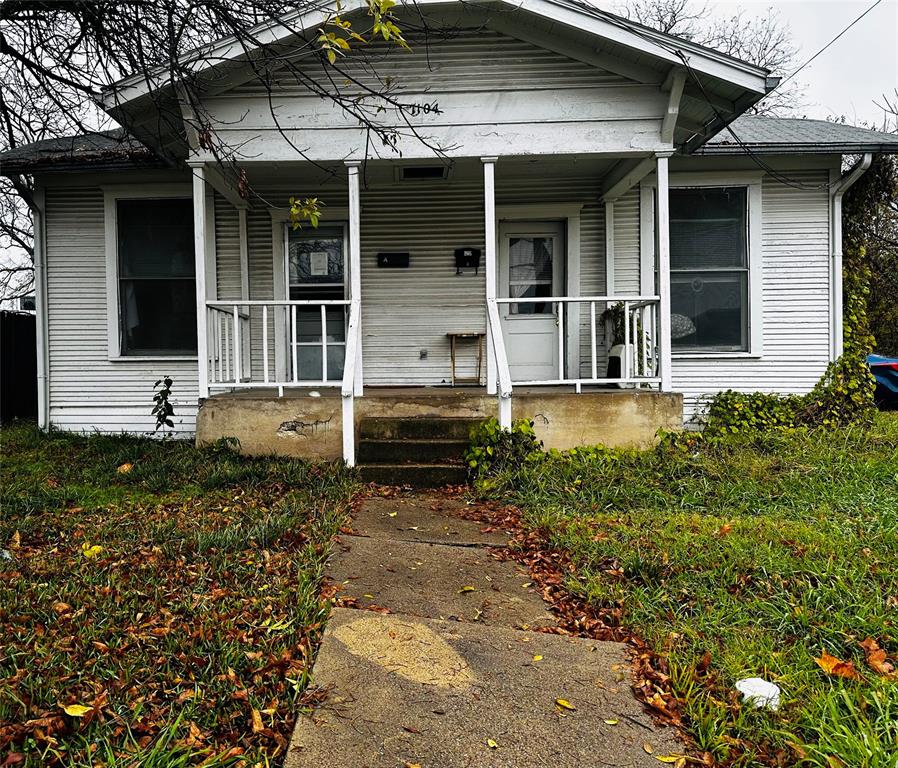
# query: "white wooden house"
{"type": "Point", "coordinates": [586, 165]}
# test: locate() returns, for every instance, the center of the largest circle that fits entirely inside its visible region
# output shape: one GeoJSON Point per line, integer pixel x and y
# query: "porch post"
{"type": "Point", "coordinates": [355, 263]}
{"type": "Point", "coordinates": [662, 237]}
{"type": "Point", "coordinates": [490, 268]}
{"type": "Point", "coordinates": [200, 256]}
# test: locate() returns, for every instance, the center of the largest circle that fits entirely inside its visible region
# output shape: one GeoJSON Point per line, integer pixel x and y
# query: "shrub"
{"type": "Point", "coordinates": [494, 449]}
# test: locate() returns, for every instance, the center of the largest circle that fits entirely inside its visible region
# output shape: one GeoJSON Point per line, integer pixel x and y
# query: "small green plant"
{"type": "Point", "coordinates": [163, 410]}
{"type": "Point", "coordinates": [494, 449]}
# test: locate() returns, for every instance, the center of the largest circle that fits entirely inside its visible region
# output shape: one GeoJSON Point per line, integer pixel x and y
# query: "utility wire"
{"type": "Point", "coordinates": [676, 51]}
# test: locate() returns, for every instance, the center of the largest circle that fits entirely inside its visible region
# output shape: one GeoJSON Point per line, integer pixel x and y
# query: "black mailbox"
{"type": "Point", "coordinates": [392, 260]}
{"type": "Point", "coordinates": [467, 258]}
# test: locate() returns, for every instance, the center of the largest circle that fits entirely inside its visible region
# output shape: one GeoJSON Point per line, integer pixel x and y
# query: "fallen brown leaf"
{"type": "Point", "coordinates": [836, 667]}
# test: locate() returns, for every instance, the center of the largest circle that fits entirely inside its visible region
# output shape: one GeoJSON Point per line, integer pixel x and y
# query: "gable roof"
{"type": "Point", "coordinates": [617, 33]}
{"type": "Point", "coordinates": [789, 136]}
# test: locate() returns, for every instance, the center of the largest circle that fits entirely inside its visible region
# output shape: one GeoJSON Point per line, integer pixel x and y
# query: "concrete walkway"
{"type": "Point", "coordinates": [445, 671]}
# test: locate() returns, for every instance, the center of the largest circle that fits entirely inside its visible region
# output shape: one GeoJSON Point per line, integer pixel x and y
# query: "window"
{"type": "Point", "coordinates": [709, 269]}
{"type": "Point", "coordinates": [156, 276]}
{"type": "Point", "coordinates": [530, 273]}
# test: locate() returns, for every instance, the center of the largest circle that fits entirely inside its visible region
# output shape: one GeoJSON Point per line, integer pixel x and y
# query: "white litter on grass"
{"type": "Point", "coordinates": [5, 554]}
{"type": "Point", "coordinates": [760, 692]}
{"type": "Point", "coordinates": [314, 393]}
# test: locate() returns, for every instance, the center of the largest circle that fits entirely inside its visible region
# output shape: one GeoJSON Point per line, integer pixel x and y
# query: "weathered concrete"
{"type": "Point", "coordinates": [431, 519]}
{"type": "Point", "coordinates": [310, 427]}
{"type": "Point", "coordinates": [405, 691]}
{"type": "Point", "coordinates": [436, 581]}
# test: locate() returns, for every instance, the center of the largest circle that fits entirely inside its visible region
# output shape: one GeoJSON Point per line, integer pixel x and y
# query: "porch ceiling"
{"type": "Point", "coordinates": [383, 172]}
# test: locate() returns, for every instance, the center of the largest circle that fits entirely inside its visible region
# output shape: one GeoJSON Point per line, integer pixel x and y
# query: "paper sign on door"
{"type": "Point", "coordinates": [318, 264]}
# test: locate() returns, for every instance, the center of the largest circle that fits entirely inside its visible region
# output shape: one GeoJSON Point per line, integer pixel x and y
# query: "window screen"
{"type": "Point", "coordinates": [709, 268]}
{"type": "Point", "coordinates": [156, 270]}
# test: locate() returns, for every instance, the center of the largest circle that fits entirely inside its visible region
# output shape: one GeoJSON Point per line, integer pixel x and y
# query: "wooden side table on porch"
{"type": "Point", "coordinates": [454, 337]}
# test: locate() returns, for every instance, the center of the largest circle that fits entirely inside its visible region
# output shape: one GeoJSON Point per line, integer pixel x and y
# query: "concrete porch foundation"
{"type": "Point", "coordinates": [309, 425]}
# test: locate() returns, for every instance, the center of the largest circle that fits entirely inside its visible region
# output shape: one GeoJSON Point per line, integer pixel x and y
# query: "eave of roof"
{"type": "Point", "coordinates": [797, 136]}
{"type": "Point", "coordinates": [103, 150]}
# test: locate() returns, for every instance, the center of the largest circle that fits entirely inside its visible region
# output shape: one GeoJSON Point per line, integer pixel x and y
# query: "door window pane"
{"type": "Point", "coordinates": [157, 288]}
{"type": "Point", "coordinates": [530, 270]}
{"type": "Point", "coordinates": [316, 257]}
{"type": "Point", "coordinates": [709, 268]}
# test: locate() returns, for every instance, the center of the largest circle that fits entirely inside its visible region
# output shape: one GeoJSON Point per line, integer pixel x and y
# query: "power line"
{"type": "Point", "coordinates": [825, 47]}
{"type": "Point", "coordinates": [678, 52]}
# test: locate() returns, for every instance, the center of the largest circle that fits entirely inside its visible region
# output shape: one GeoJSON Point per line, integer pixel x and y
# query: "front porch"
{"type": "Point", "coordinates": [553, 315]}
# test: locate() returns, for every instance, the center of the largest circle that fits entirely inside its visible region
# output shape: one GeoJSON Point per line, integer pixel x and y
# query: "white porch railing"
{"type": "Point", "coordinates": [640, 361]}
{"type": "Point", "coordinates": [278, 361]}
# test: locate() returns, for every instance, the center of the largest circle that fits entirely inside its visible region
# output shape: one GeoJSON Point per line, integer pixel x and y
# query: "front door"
{"type": "Point", "coordinates": [316, 270]}
{"type": "Point", "coordinates": [531, 267]}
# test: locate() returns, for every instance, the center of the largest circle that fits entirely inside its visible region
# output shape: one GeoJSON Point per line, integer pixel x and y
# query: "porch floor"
{"type": "Point", "coordinates": [401, 392]}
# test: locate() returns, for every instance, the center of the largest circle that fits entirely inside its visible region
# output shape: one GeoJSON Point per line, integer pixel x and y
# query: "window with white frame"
{"type": "Point", "coordinates": [709, 269]}
{"type": "Point", "coordinates": [156, 274]}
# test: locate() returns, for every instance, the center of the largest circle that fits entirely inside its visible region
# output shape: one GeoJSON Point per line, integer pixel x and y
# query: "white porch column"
{"type": "Point", "coordinates": [355, 262]}
{"type": "Point", "coordinates": [662, 238]}
{"type": "Point", "coordinates": [490, 266]}
{"type": "Point", "coordinates": [200, 254]}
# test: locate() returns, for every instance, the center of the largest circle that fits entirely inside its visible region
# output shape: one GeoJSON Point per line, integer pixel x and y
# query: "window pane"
{"type": "Point", "coordinates": [528, 291]}
{"type": "Point", "coordinates": [708, 310]}
{"type": "Point", "coordinates": [158, 316]}
{"type": "Point", "coordinates": [308, 324]}
{"type": "Point", "coordinates": [530, 273]}
{"type": "Point", "coordinates": [707, 228]}
{"type": "Point", "coordinates": [308, 360]}
{"type": "Point", "coordinates": [155, 238]}
{"type": "Point", "coordinates": [315, 256]}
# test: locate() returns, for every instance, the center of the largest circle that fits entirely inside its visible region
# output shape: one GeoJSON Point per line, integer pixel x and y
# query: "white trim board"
{"type": "Point", "coordinates": [112, 193]}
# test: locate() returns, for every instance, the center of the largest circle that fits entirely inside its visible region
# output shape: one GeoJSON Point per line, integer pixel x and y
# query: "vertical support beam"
{"type": "Point", "coordinates": [199, 248]}
{"type": "Point", "coordinates": [491, 267]}
{"type": "Point", "coordinates": [662, 235]}
{"type": "Point", "coordinates": [572, 244]}
{"type": "Point", "coordinates": [355, 264]}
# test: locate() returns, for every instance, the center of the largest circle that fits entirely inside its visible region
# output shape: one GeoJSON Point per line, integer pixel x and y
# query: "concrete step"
{"type": "Point", "coordinates": [416, 428]}
{"type": "Point", "coordinates": [414, 475]}
{"type": "Point", "coordinates": [410, 451]}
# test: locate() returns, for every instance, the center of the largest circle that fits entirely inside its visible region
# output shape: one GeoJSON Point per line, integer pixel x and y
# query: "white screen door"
{"type": "Point", "coordinates": [531, 267]}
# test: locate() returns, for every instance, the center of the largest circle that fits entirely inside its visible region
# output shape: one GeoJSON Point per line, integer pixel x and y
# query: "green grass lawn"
{"type": "Point", "coordinates": [159, 604]}
{"type": "Point", "coordinates": [762, 553]}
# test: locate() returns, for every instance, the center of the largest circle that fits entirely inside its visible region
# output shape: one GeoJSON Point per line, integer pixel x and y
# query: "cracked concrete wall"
{"type": "Point", "coordinates": [311, 427]}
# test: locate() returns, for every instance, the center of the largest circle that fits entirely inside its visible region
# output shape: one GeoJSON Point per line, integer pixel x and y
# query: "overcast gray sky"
{"type": "Point", "coordinates": [857, 69]}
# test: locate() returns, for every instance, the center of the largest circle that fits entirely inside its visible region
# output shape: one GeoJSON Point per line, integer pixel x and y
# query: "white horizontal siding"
{"type": "Point", "coordinates": [795, 311]}
{"type": "Point", "coordinates": [87, 390]}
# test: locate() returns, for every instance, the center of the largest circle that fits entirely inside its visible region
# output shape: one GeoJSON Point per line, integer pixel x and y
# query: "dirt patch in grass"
{"type": "Point", "coordinates": [159, 604]}
{"type": "Point", "coordinates": [751, 558]}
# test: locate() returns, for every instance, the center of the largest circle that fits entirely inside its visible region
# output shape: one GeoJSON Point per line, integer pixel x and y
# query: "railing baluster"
{"type": "Point", "coordinates": [323, 342]}
{"type": "Point", "coordinates": [236, 336]}
{"type": "Point", "coordinates": [560, 339]}
{"type": "Point", "coordinates": [294, 349]}
{"type": "Point", "coordinates": [626, 363]}
{"type": "Point", "coordinates": [265, 343]}
{"type": "Point", "coordinates": [226, 349]}
{"type": "Point", "coordinates": [592, 338]}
